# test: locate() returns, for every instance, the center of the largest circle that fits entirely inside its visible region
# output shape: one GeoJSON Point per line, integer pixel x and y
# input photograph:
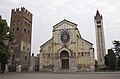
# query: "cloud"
{"type": "Point", "coordinates": [47, 13]}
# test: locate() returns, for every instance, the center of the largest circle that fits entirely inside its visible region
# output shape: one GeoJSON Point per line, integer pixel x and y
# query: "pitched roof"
{"type": "Point", "coordinates": [46, 42]}
{"type": "Point", "coordinates": [63, 22]}
{"type": "Point", "coordinates": [87, 41]}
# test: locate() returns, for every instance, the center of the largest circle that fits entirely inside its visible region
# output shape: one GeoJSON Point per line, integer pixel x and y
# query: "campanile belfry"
{"type": "Point", "coordinates": [21, 26]}
{"type": "Point", "coordinates": [100, 39]}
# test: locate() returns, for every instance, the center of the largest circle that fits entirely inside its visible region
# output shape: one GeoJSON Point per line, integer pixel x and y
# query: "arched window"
{"type": "Point", "coordinates": [28, 25]}
{"type": "Point", "coordinates": [11, 47]}
{"type": "Point", "coordinates": [25, 57]}
{"type": "Point", "coordinates": [17, 29]}
{"type": "Point", "coordinates": [23, 48]}
{"type": "Point", "coordinates": [82, 54]}
{"type": "Point", "coordinates": [13, 22]}
{"type": "Point", "coordinates": [18, 22]}
{"type": "Point", "coordinates": [64, 54]}
{"type": "Point", "coordinates": [13, 29]}
{"type": "Point", "coordinates": [25, 23]}
{"type": "Point", "coordinates": [24, 30]}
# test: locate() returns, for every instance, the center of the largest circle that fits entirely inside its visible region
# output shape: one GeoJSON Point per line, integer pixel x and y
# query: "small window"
{"type": "Point", "coordinates": [28, 31]}
{"type": "Point", "coordinates": [25, 23]}
{"type": "Point", "coordinates": [48, 55]}
{"type": "Point", "coordinates": [13, 22]}
{"type": "Point", "coordinates": [11, 47]}
{"type": "Point", "coordinates": [71, 54]}
{"type": "Point", "coordinates": [24, 30]}
{"type": "Point", "coordinates": [88, 53]}
{"type": "Point", "coordinates": [74, 54]}
{"type": "Point", "coordinates": [28, 24]}
{"type": "Point", "coordinates": [82, 54]}
{"type": "Point", "coordinates": [98, 22]}
{"type": "Point", "coordinates": [25, 57]}
{"type": "Point", "coordinates": [98, 25]}
{"type": "Point", "coordinates": [43, 55]}
{"type": "Point", "coordinates": [18, 22]}
{"type": "Point", "coordinates": [13, 29]}
{"type": "Point", "coordinates": [27, 49]}
{"type": "Point", "coordinates": [17, 29]}
{"type": "Point", "coordinates": [23, 48]}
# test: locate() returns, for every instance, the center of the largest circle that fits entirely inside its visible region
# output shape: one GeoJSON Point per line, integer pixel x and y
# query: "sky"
{"type": "Point", "coordinates": [47, 13]}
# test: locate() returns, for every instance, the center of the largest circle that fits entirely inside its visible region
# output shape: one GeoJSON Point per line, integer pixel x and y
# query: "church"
{"type": "Point", "coordinates": [66, 50]}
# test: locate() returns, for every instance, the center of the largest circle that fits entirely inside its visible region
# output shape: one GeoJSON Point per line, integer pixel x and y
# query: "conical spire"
{"type": "Point", "coordinates": [97, 13]}
{"type": "Point", "coordinates": [98, 16]}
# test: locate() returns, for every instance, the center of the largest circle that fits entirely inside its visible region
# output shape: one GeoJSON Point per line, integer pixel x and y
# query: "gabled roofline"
{"type": "Point", "coordinates": [87, 41]}
{"type": "Point", "coordinates": [63, 21]}
{"type": "Point", "coordinates": [46, 42]}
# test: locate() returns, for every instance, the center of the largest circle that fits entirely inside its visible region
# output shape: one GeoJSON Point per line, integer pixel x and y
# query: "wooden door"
{"type": "Point", "coordinates": [65, 63]}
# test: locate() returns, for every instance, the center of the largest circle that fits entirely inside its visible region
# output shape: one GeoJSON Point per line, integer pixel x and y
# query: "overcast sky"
{"type": "Point", "coordinates": [47, 13]}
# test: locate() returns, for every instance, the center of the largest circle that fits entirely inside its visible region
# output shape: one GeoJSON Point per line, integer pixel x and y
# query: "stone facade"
{"type": "Point", "coordinates": [21, 26]}
{"type": "Point", "coordinates": [66, 50]}
{"type": "Point", "coordinates": [34, 63]}
{"type": "Point", "coordinates": [100, 39]}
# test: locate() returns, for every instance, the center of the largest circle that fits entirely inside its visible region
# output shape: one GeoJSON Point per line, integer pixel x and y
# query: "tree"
{"type": "Point", "coordinates": [117, 52]}
{"type": "Point", "coordinates": [116, 47]}
{"type": "Point", "coordinates": [5, 36]}
{"type": "Point", "coordinates": [111, 59]}
{"type": "Point", "coordinates": [118, 62]}
{"type": "Point", "coordinates": [106, 60]}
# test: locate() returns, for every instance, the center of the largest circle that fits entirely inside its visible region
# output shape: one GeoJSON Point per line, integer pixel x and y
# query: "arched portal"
{"type": "Point", "coordinates": [64, 56]}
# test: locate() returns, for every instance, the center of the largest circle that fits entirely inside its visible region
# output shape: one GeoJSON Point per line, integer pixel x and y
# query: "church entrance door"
{"type": "Point", "coordinates": [65, 63]}
{"type": "Point", "coordinates": [64, 55]}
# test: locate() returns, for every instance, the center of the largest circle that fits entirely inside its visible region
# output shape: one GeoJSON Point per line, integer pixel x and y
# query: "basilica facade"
{"type": "Point", "coordinates": [66, 50]}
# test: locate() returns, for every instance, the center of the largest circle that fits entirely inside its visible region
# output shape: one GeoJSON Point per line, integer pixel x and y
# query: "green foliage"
{"type": "Point", "coordinates": [111, 59]}
{"type": "Point", "coordinates": [116, 47]}
{"type": "Point", "coordinates": [4, 29]}
{"type": "Point", "coordinates": [5, 36]}
{"type": "Point", "coordinates": [118, 62]}
{"type": "Point", "coordinates": [4, 53]}
{"type": "Point", "coordinates": [106, 60]}
{"type": "Point", "coordinates": [117, 52]}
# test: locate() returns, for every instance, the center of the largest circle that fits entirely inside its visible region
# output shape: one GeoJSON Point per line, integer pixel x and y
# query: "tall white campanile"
{"type": "Point", "coordinates": [100, 39]}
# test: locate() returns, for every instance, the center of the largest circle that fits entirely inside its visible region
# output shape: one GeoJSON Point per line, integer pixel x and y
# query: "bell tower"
{"type": "Point", "coordinates": [100, 39]}
{"type": "Point", "coordinates": [21, 26]}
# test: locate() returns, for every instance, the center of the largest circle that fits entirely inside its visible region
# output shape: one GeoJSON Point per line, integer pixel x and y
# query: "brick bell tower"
{"type": "Point", "coordinates": [21, 26]}
{"type": "Point", "coordinates": [100, 39]}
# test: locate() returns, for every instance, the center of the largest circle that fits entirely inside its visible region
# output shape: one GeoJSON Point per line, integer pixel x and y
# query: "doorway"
{"type": "Point", "coordinates": [64, 55]}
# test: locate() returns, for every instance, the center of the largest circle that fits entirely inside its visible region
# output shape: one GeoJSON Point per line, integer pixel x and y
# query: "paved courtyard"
{"type": "Point", "coordinates": [61, 75]}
